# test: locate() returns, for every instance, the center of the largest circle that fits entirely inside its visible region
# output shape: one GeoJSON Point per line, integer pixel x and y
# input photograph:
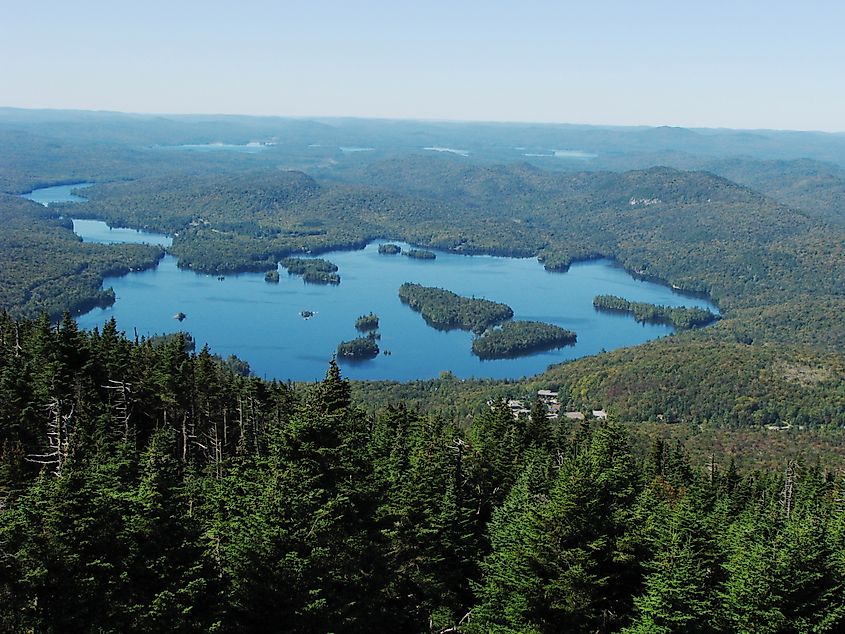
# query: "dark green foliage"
{"type": "Point", "coordinates": [47, 268]}
{"type": "Point", "coordinates": [679, 583]}
{"type": "Point", "coordinates": [682, 318]}
{"type": "Point", "coordinates": [367, 322]}
{"type": "Point", "coordinates": [160, 340]}
{"type": "Point", "coordinates": [312, 270]}
{"type": "Point", "coordinates": [445, 310]}
{"type": "Point", "coordinates": [389, 249]}
{"type": "Point", "coordinates": [420, 254]}
{"type": "Point", "coordinates": [272, 276]}
{"type": "Point", "coordinates": [358, 348]}
{"type": "Point", "coordinates": [517, 338]}
{"type": "Point", "coordinates": [185, 497]}
{"type": "Point", "coordinates": [562, 555]}
{"type": "Point", "coordinates": [751, 594]}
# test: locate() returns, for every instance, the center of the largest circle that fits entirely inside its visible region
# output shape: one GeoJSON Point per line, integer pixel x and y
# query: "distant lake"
{"type": "Point", "coordinates": [57, 194]}
{"type": "Point", "coordinates": [448, 150]}
{"type": "Point", "coordinates": [261, 323]}
{"type": "Point", "coordinates": [98, 231]}
{"type": "Point", "coordinates": [252, 147]}
{"type": "Point", "coordinates": [94, 230]}
{"type": "Point", "coordinates": [565, 154]}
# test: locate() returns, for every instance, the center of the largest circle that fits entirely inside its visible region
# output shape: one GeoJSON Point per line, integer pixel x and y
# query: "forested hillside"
{"type": "Point", "coordinates": [815, 187]}
{"type": "Point", "coordinates": [695, 230]}
{"type": "Point", "coordinates": [686, 379]}
{"type": "Point", "coordinates": [47, 269]}
{"type": "Point", "coordinates": [776, 273]}
{"type": "Point", "coordinates": [146, 489]}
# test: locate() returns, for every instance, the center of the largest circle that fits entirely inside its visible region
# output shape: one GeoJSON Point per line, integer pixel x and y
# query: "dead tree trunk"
{"type": "Point", "coordinates": [58, 437]}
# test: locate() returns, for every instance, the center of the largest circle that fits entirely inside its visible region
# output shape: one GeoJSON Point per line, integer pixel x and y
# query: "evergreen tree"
{"type": "Point", "coordinates": [678, 594]}
{"type": "Point", "coordinates": [511, 585]}
{"type": "Point", "coordinates": [750, 596]}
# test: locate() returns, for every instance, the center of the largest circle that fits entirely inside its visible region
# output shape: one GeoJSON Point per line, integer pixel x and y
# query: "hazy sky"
{"type": "Point", "coordinates": [742, 64]}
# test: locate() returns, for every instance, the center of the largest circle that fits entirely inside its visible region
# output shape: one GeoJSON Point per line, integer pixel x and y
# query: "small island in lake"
{"type": "Point", "coordinates": [307, 314]}
{"type": "Point", "coordinates": [682, 318]}
{"type": "Point", "coordinates": [366, 322]}
{"type": "Point", "coordinates": [312, 270]}
{"type": "Point", "coordinates": [518, 338]}
{"type": "Point", "coordinates": [445, 310]}
{"type": "Point", "coordinates": [389, 249]}
{"type": "Point", "coordinates": [358, 348]}
{"type": "Point", "coordinates": [272, 276]}
{"type": "Point", "coordinates": [180, 316]}
{"type": "Point", "coordinates": [420, 254]}
{"type": "Point", "coordinates": [188, 342]}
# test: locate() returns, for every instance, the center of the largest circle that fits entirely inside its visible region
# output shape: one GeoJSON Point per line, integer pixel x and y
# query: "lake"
{"type": "Point", "coordinates": [253, 147]}
{"type": "Point", "coordinates": [261, 323]}
{"type": "Point", "coordinates": [99, 232]}
{"type": "Point", "coordinates": [57, 194]}
{"type": "Point", "coordinates": [94, 230]}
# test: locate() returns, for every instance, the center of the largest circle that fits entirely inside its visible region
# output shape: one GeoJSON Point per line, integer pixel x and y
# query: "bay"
{"type": "Point", "coordinates": [57, 194]}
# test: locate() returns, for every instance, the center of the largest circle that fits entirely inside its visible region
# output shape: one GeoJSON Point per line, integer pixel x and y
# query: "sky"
{"type": "Point", "coordinates": [697, 63]}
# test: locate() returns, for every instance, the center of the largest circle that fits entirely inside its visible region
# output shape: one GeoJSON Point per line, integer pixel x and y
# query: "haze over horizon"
{"type": "Point", "coordinates": [749, 66]}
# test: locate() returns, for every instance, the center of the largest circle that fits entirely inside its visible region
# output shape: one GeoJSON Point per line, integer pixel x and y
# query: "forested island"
{"type": "Point", "coordinates": [517, 338]}
{"type": "Point", "coordinates": [682, 318]}
{"type": "Point", "coordinates": [446, 310]}
{"type": "Point", "coordinates": [272, 276]}
{"type": "Point", "coordinates": [367, 322]}
{"type": "Point", "coordinates": [312, 270]}
{"type": "Point", "coordinates": [389, 249]}
{"type": "Point", "coordinates": [420, 254]}
{"type": "Point", "coordinates": [359, 348]}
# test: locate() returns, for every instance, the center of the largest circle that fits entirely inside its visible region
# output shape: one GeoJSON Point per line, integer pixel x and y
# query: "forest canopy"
{"type": "Point", "coordinates": [252, 498]}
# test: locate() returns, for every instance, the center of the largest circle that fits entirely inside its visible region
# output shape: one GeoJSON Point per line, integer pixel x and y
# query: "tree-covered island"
{"type": "Point", "coordinates": [367, 322]}
{"type": "Point", "coordinates": [445, 310]}
{"type": "Point", "coordinates": [389, 249]}
{"type": "Point", "coordinates": [359, 348]}
{"type": "Point", "coordinates": [313, 270]}
{"type": "Point", "coordinates": [272, 276]}
{"type": "Point", "coordinates": [420, 254]}
{"type": "Point", "coordinates": [517, 338]}
{"type": "Point", "coordinates": [682, 318]}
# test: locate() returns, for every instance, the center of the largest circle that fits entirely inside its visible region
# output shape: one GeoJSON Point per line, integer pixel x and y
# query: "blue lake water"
{"type": "Point", "coordinates": [100, 232]}
{"type": "Point", "coordinates": [57, 194]}
{"type": "Point", "coordinates": [261, 323]}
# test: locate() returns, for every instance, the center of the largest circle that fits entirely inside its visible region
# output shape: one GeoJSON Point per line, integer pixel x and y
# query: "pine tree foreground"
{"type": "Point", "coordinates": [145, 488]}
